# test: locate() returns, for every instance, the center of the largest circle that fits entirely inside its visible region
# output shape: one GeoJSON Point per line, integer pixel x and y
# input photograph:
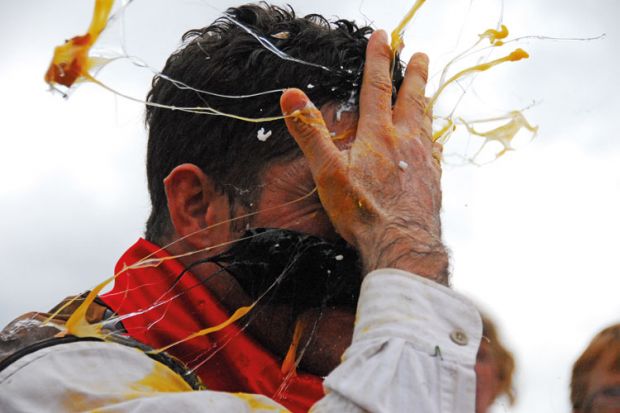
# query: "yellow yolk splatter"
{"type": "Point", "coordinates": [495, 36]}
{"type": "Point", "coordinates": [288, 365]}
{"type": "Point", "coordinates": [503, 134]}
{"type": "Point", "coordinates": [160, 379]}
{"type": "Point", "coordinates": [241, 311]}
{"type": "Point", "coordinates": [310, 115]}
{"type": "Point", "coordinates": [76, 324]}
{"type": "Point", "coordinates": [444, 133]}
{"type": "Point", "coordinates": [255, 403]}
{"type": "Point", "coordinates": [344, 135]}
{"type": "Point", "coordinates": [71, 62]}
{"type": "Point", "coordinates": [397, 34]}
{"type": "Point", "coordinates": [514, 56]}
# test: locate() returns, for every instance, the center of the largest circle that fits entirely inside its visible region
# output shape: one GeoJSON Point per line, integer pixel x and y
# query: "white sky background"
{"type": "Point", "coordinates": [534, 236]}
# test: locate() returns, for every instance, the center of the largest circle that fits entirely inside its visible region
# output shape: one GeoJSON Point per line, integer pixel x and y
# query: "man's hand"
{"type": "Point", "coordinates": [383, 194]}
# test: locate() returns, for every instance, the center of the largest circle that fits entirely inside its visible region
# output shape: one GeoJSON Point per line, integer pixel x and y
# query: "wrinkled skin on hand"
{"type": "Point", "coordinates": [382, 194]}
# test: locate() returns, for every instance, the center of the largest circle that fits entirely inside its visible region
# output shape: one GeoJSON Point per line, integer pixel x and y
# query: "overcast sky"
{"type": "Point", "coordinates": [534, 236]}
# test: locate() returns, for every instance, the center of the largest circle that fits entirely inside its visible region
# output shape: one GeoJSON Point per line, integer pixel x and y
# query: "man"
{"type": "Point", "coordinates": [595, 382]}
{"type": "Point", "coordinates": [245, 231]}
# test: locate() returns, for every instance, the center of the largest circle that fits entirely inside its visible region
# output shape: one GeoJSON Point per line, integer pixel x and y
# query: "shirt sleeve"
{"type": "Point", "coordinates": [414, 350]}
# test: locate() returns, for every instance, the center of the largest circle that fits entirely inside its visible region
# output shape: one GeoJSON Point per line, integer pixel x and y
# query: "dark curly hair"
{"type": "Point", "coordinates": [225, 58]}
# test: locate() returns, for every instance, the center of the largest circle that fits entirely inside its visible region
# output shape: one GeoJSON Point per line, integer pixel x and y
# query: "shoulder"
{"type": "Point", "coordinates": [86, 374]}
{"type": "Point", "coordinates": [35, 327]}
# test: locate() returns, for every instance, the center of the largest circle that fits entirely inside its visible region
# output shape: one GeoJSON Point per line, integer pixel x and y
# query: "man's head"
{"type": "Point", "coordinates": [224, 58]}
{"type": "Point", "coordinates": [595, 382]}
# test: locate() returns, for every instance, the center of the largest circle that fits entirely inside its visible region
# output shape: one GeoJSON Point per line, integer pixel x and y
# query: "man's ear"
{"type": "Point", "coordinates": [194, 204]}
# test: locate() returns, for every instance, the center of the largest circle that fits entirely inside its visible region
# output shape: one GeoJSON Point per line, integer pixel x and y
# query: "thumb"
{"type": "Point", "coordinates": [305, 123]}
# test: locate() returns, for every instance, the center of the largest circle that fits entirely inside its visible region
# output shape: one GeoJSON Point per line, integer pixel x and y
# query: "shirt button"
{"type": "Point", "coordinates": [459, 337]}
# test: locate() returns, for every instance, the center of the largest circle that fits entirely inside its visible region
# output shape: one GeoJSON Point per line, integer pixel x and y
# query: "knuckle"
{"type": "Point", "coordinates": [428, 108]}
{"type": "Point", "coordinates": [380, 83]}
{"type": "Point", "coordinates": [306, 131]}
{"type": "Point", "coordinates": [391, 139]}
{"type": "Point", "coordinates": [415, 101]}
{"type": "Point", "coordinates": [306, 134]}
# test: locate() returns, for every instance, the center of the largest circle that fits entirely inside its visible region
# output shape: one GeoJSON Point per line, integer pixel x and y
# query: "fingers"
{"type": "Point", "coordinates": [410, 109]}
{"type": "Point", "coordinates": [309, 131]}
{"type": "Point", "coordinates": [376, 94]}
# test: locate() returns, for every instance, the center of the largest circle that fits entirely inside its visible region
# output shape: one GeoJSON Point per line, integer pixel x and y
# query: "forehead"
{"type": "Point", "coordinates": [606, 371]}
{"type": "Point", "coordinates": [341, 122]}
{"type": "Point", "coordinates": [288, 198]}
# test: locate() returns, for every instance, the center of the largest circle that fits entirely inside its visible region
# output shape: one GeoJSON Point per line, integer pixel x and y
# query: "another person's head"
{"type": "Point", "coordinates": [232, 57]}
{"type": "Point", "coordinates": [595, 382]}
{"type": "Point", "coordinates": [494, 369]}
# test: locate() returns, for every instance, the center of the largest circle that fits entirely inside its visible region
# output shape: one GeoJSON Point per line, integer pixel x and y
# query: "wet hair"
{"type": "Point", "coordinates": [504, 359]}
{"type": "Point", "coordinates": [605, 342]}
{"type": "Point", "coordinates": [226, 59]}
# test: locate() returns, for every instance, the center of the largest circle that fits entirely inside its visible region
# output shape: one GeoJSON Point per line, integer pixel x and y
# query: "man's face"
{"type": "Point", "coordinates": [603, 395]}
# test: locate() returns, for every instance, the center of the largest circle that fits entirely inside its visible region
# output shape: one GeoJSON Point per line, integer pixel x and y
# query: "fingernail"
{"type": "Point", "coordinates": [422, 56]}
{"type": "Point", "coordinates": [295, 100]}
{"type": "Point", "coordinates": [382, 35]}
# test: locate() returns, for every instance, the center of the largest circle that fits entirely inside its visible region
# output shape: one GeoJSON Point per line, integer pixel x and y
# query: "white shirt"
{"type": "Point", "coordinates": [414, 349]}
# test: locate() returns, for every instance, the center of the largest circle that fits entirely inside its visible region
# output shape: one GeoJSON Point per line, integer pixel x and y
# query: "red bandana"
{"type": "Point", "coordinates": [229, 360]}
